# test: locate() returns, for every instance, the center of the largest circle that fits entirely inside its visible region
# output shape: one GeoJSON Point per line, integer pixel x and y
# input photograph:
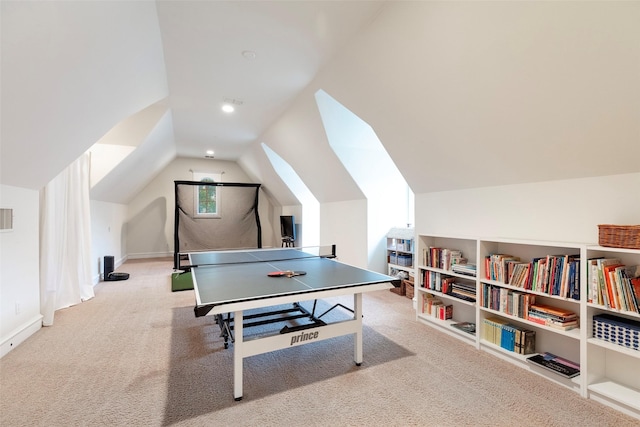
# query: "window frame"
{"type": "Point", "coordinates": [207, 177]}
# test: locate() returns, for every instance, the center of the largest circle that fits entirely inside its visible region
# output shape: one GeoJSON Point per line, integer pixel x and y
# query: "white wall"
{"type": "Point", "coordinates": [565, 211]}
{"type": "Point", "coordinates": [19, 268]}
{"type": "Point", "coordinates": [150, 217]}
{"type": "Point", "coordinates": [345, 225]}
{"type": "Point", "coordinates": [108, 235]}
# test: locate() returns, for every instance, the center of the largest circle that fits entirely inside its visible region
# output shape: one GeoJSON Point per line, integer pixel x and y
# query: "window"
{"type": "Point", "coordinates": [206, 197]}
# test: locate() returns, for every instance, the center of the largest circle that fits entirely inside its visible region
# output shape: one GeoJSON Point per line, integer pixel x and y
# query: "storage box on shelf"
{"type": "Point", "coordinates": [446, 290]}
{"type": "Point", "coordinates": [400, 255]}
{"type": "Point", "coordinates": [611, 311]}
{"type": "Point", "coordinates": [541, 306]}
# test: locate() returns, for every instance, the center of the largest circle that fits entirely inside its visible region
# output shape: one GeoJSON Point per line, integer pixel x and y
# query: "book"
{"type": "Point", "coordinates": [611, 287]}
{"type": "Point", "coordinates": [603, 294]}
{"type": "Point", "coordinates": [467, 327]}
{"type": "Point", "coordinates": [635, 286]}
{"type": "Point", "coordinates": [445, 312]}
{"type": "Point", "coordinates": [592, 279]}
{"type": "Point", "coordinates": [547, 315]}
{"type": "Point", "coordinates": [555, 364]}
{"type": "Point", "coordinates": [555, 311]}
{"type": "Point", "coordinates": [528, 342]}
{"type": "Point", "coordinates": [633, 276]}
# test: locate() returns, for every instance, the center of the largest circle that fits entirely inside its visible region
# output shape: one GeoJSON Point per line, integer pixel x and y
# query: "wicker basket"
{"type": "Point", "coordinates": [408, 289]}
{"type": "Point", "coordinates": [619, 236]}
{"type": "Point", "coordinates": [400, 290]}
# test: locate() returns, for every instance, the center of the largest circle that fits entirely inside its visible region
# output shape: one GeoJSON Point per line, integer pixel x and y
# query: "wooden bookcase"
{"type": "Point", "coordinates": [609, 373]}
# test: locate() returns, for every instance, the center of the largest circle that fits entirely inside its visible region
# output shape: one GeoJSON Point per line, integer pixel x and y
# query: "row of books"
{"type": "Point", "coordinates": [524, 306]}
{"type": "Point", "coordinates": [557, 275]}
{"type": "Point", "coordinates": [442, 258]}
{"type": "Point", "coordinates": [505, 300]}
{"type": "Point", "coordinates": [613, 284]}
{"type": "Point", "coordinates": [436, 281]}
{"type": "Point", "coordinates": [436, 308]}
{"type": "Point", "coordinates": [508, 336]}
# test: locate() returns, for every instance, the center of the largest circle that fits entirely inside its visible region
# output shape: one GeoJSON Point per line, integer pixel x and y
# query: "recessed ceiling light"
{"type": "Point", "coordinates": [209, 152]}
{"type": "Point", "coordinates": [228, 108]}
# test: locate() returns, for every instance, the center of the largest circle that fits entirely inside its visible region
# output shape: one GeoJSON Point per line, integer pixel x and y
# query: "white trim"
{"type": "Point", "coordinates": [144, 255]}
{"type": "Point", "coordinates": [17, 337]}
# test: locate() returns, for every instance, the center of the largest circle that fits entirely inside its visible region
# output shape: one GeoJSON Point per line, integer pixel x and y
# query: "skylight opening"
{"type": "Point", "coordinates": [389, 198]}
{"type": "Point", "coordinates": [310, 221]}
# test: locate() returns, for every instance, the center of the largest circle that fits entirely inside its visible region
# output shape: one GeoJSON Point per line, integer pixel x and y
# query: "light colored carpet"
{"type": "Point", "coordinates": [136, 355]}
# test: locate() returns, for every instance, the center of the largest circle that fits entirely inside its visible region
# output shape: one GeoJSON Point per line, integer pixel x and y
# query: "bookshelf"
{"type": "Point", "coordinates": [400, 253]}
{"type": "Point", "coordinates": [613, 376]}
{"type": "Point", "coordinates": [552, 276]}
{"type": "Point", "coordinates": [434, 270]}
{"type": "Point", "coordinates": [495, 258]}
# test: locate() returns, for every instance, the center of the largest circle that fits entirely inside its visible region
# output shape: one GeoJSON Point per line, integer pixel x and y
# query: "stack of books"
{"type": "Point", "coordinates": [468, 327]}
{"type": "Point", "coordinates": [554, 317]}
{"type": "Point", "coordinates": [559, 365]}
{"type": "Point", "coordinates": [467, 269]}
{"type": "Point", "coordinates": [463, 291]}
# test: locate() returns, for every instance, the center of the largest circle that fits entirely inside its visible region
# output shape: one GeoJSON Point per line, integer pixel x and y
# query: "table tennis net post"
{"type": "Point", "coordinates": [323, 251]}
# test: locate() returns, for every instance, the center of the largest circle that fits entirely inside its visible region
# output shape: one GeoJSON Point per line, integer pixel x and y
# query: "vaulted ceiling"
{"type": "Point", "coordinates": [461, 94]}
{"type": "Point", "coordinates": [74, 71]}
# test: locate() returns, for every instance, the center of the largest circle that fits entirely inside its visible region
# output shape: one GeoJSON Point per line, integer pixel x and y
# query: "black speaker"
{"type": "Point", "coordinates": [108, 267]}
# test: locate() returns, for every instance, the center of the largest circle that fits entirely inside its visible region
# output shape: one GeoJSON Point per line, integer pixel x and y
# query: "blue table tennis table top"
{"type": "Point", "coordinates": [223, 277]}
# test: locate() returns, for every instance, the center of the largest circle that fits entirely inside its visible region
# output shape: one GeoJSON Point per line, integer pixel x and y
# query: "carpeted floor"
{"type": "Point", "coordinates": [135, 355]}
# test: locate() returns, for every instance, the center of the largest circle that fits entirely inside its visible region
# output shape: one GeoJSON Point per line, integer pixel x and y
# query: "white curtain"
{"type": "Point", "coordinates": [65, 240]}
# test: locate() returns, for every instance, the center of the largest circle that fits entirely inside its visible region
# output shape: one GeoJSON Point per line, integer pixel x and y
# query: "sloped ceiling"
{"type": "Point", "coordinates": [461, 94]}
{"type": "Point", "coordinates": [257, 54]}
{"type": "Point", "coordinates": [149, 135]}
{"type": "Point", "coordinates": [79, 69]}
{"type": "Point", "coordinates": [477, 94]}
{"type": "Point", "coordinates": [70, 72]}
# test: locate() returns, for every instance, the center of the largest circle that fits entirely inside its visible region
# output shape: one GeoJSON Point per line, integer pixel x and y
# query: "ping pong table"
{"type": "Point", "coordinates": [228, 283]}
